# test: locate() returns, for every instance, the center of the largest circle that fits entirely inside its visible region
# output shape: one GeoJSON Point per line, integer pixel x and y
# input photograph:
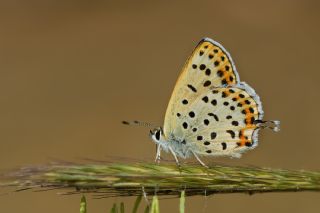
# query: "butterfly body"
{"type": "Point", "coordinates": [178, 145]}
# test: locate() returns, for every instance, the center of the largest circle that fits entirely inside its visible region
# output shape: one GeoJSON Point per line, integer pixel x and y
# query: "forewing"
{"type": "Point", "coordinates": [209, 65]}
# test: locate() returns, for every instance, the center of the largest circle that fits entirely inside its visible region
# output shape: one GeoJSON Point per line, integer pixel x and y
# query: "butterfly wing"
{"type": "Point", "coordinates": [210, 67]}
{"type": "Point", "coordinates": [226, 124]}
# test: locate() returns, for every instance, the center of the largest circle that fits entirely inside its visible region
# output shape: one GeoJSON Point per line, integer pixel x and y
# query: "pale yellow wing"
{"type": "Point", "coordinates": [210, 110]}
{"type": "Point", "coordinates": [209, 65]}
{"type": "Point", "coordinates": [225, 124]}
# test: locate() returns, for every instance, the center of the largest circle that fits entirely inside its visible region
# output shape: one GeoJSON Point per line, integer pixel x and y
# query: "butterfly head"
{"type": "Point", "coordinates": [157, 134]}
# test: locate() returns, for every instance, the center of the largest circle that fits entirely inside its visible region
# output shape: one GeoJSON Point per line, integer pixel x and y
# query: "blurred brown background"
{"type": "Point", "coordinates": [70, 71]}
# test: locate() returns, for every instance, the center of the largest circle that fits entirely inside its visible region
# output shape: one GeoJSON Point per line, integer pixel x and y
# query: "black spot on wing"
{"type": "Point", "coordinates": [185, 125]}
{"type": "Point", "coordinates": [224, 146]}
{"type": "Point", "coordinates": [235, 123]}
{"type": "Point", "coordinates": [248, 144]}
{"type": "Point", "coordinates": [228, 117]}
{"type": "Point", "coordinates": [220, 73]}
{"type": "Point", "coordinates": [224, 81]}
{"type": "Point", "coordinates": [213, 135]}
{"type": "Point", "coordinates": [192, 114]}
{"type": "Point", "coordinates": [202, 67]}
{"type": "Point", "coordinates": [214, 102]}
{"type": "Point", "coordinates": [192, 88]}
{"type": "Point", "coordinates": [199, 137]}
{"type": "Point", "coordinates": [214, 115]}
{"type": "Point", "coordinates": [224, 94]}
{"type": "Point", "coordinates": [251, 121]}
{"type": "Point", "coordinates": [232, 133]}
{"type": "Point", "coordinates": [205, 99]}
{"type": "Point", "coordinates": [207, 83]}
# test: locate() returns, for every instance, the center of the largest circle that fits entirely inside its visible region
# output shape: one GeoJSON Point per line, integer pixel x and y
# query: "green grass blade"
{"type": "Point", "coordinates": [182, 201]}
{"type": "Point", "coordinates": [121, 207]}
{"type": "Point", "coordinates": [127, 179]}
{"type": "Point", "coordinates": [136, 204]}
{"type": "Point", "coordinates": [155, 205]}
{"type": "Point", "coordinates": [83, 205]}
{"type": "Point", "coordinates": [147, 209]}
{"type": "Point", "coordinates": [114, 208]}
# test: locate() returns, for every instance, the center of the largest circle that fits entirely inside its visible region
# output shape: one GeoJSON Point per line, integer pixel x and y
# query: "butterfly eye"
{"type": "Point", "coordinates": [158, 134]}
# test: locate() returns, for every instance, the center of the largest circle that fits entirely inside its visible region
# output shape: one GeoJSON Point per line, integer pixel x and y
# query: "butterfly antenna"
{"type": "Point", "coordinates": [139, 123]}
{"type": "Point", "coordinates": [273, 125]}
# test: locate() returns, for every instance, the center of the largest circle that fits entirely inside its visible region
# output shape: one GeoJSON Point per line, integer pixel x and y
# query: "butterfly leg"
{"type": "Point", "coordinates": [145, 196]}
{"type": "Point", "coordinates": [158, 157]}
{"type": "Point", "coordinates": [198, 159]}
{"type": "Point", "coordinates": [175, 156]}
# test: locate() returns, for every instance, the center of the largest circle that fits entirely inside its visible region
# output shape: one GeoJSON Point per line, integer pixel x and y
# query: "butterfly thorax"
{"type": "Point", "coordinates": [178, 145]}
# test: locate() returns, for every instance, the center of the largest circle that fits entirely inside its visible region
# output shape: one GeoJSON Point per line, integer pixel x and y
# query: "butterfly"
{"type": "Point", "coordinates": [210, 112]}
